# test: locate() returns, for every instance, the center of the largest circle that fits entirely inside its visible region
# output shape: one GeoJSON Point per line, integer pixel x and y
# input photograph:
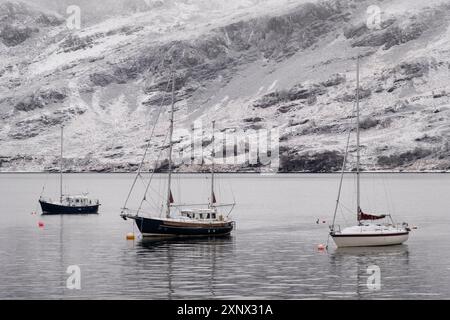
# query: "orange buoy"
{"type": "Point", "coordinates": [130, 236]}
{"type": "Point", "coordinates": [40, 224]}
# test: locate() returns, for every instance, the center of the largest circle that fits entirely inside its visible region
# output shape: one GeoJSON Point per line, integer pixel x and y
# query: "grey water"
{"type": "Point", "coordinates": [272, 253]}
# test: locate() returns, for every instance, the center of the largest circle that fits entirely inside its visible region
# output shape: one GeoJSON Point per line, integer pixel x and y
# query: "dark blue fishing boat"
{"type": "Point", "coordinates": [67, 204]}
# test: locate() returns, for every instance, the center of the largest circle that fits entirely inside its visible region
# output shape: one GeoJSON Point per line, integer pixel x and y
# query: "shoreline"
{"type": "Point", "coordinates": [228, 172]}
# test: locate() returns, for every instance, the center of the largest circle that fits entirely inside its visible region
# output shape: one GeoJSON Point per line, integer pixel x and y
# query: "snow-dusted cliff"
{"type": "Point", "coordinates": [247, 64]}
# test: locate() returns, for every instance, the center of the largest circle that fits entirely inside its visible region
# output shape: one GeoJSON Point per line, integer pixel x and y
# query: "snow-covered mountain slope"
{"type": "Point", "coordinates": [247, 64]}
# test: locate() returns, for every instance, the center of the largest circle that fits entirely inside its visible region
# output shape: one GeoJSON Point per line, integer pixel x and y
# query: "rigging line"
{"type": "Point", "coordinates": [390, 202]}
{"type": "Point", "coordinates": [232, 193]}
{"type": "Point", "coordinates": [343, 206]}
{"type": "Point", "coordinates": [157, 193]}
{"type": "Point", "coordinates": [147, 146]}
{"type": "Point", "coordinates": [161, 185]}
{"type": "Point", "coordinates": [142, 181]}
{"type": "Point", "coordinates": [151, 176]}
{"type": "Point", "coordinates": [45, 184]}
{"type": "Point", "coordinates": [231, 209]}
{"type": "Point", "coordinates": [169, 82]}
{"type": "Point", "coordinates": [153, 171]}
{"type": "Point", "coordinates": [344, 162]}
{"type": "Point", "coordinates": [151, 200]}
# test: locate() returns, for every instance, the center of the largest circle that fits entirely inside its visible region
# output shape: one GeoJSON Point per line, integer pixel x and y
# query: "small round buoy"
{"type": "Point", "coordinates": [324, 221]}
{"type": "Point", "coordinates": [414, 227]}
{"type": "Point", "coordinates": [320, 247]}
{"type": "Point", "coordinates": [40, 224]}
{"type": "Point", "coordinates": [130, 236]}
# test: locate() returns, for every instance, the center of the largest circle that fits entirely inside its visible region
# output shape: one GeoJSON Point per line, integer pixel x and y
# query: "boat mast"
{"type": "Point", "coordinates": [61, 167]}
{"type": "Point", "coordinates": [213, 154]}
{"type": "Point", "coordinates": [169, 192]}
{"type": "Point", "coordinates": [358, 156]}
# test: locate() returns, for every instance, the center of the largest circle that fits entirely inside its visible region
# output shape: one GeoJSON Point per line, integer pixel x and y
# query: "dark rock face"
{"type": "Point", "coordinates": [280, 37]}
{"type": "Point", "coordinates": [403, 159]}
{"type": "Point", "coordinates": [40, 100]}
{"type": "Point", "coordinates": [12, 36]}
{"type": "Point", "coordinates": [32, 127]}
{"type": "Point", "coordinates": [335, 80]}
{"type": "Point", "coordinates": [392, 32]}
{"type": "Point", "coordinates": [102, 80]}
{"type": "Point", "coordinates": [368, 123]}
{"type": "Point", "coordinates": [354, 32]}
{"type": "Point", "coordinates": [429, 139]}
{"type": "Point", "coordinates": [29, 103]}
{"type": "Point", "coordinates": [391, 37]}
{"type": "Point", "coordinates": [223, 49]}
{"type": "Point", "coordinates": [74, 43]}
{"type": "Point", "coordinates": [49, 20]}
{"type": "Point", "coordinates": [272, 99]}
{"type": "Point", "coordinates": [406, 72]}
{"type": "Point", "coordinates": [301, 93]}
{"type": "Point", "coordinates": [158, 99]}
{"type": "Point", "coordinates": [286, 108]}
{"type": "Point", "coordinates": [327, 161]}
{"type": "Point", "coordinates": [363, 93]}
{"type": "Point", "coordinates": [18, 22]}
{"type": "Point", "coordinates": [254, 126]}
{"type": "Point", "coordinates": [253, 119]}
{"type": "Point", "coordinates": [410, 70]}
{"type": "Point", "coordinates": [298, 92]}
{"type": "Point", "coordinates": [313, 129]}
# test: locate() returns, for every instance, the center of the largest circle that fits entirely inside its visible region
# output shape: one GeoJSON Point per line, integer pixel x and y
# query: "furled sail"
{"type": "Point", "coordinates": [367, 216]}
{"type": "Point", "coordinates": [171, 197]}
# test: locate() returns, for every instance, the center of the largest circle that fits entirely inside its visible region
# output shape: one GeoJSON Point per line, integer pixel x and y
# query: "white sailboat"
{"type": "Point", "coordinates": [368, 231]}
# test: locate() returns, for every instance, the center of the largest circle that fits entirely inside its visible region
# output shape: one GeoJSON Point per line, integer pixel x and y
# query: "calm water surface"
{"type": "Point", "coordinates": [271, 255]}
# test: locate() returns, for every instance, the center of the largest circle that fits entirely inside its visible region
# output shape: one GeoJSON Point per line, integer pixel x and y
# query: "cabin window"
{"type": "Point", "coordinates": [208, 216]}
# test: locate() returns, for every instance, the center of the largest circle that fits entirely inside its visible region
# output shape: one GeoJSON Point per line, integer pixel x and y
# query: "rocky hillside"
{"type": "Point", "coordinates": [256, 64]}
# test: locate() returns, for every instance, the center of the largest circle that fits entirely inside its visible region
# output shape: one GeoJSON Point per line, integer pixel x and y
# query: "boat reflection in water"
{"type": "Point", "coordinates": [194, 242]}
{"type": "Point", "coordinates": [194, 267]}
{"type": "Point", "coordinates": [357, 270]}
{"type": "Point", "coordinates": [372, 252]}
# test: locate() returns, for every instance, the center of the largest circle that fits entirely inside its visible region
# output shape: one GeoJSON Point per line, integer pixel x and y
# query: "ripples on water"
{"type": "Point", "coordinates": [271, 255]}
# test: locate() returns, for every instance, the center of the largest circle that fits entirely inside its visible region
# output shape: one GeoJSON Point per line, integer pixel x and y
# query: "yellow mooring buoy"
{"type": "Point", "coordinates": [130, 236]}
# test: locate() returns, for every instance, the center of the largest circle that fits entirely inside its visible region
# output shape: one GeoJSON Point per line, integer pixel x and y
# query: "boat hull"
{"type": "Point", "coordinates": [150, 227]}
{"type": "Point", "coordinates": [369, 240]}
{"type": "Point", "coordinates": [52, 208]}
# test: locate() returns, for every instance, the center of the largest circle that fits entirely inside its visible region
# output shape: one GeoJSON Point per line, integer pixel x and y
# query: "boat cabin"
{"type": "Point", "coordinates": [200, 214]}
{"type": "Point", "coordinates": [79, 201]}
